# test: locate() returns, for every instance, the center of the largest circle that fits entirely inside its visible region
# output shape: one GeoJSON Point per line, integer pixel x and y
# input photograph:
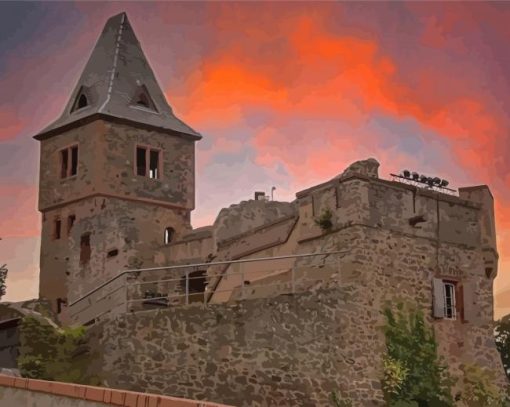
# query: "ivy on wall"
{"type": "Point", "coordinates": [50, 353]}
{"type": "Point", "coordinates": [414, 375]}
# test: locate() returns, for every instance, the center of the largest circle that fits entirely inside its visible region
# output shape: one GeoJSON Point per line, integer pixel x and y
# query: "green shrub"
{"type": "Point", "coordinates": [50, 353]}
{"type": "Point", "coordinates": [479, 388]}
{"type": "Point", "coordinates": [324, 221]}
{"type": "Point", "coordinates": [413, 374]}
{"type": "Point", "coordinates": [502, 336]}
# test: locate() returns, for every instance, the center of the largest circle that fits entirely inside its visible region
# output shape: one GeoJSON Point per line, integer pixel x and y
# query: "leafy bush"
{"type": "Point", "coordinates": [479, 388]}
{"type": "Point", "coordinates": [502, 334]}
{"type": "Point", "coordinates": [50, 353]}
{"type": "Point", "coordinates": [3, 277]}
{"type": "Point", "coordinates": [324, 221]}
{"type": "Point", "coordinates": [413, 374]}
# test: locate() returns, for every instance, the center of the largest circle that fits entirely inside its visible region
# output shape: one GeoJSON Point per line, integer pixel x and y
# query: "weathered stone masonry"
{"type": "Point", "coordinates": [398, 242]}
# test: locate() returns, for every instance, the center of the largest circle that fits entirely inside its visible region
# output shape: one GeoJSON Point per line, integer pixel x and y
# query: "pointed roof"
{"type": "Point", "coordinates": [118, 84]}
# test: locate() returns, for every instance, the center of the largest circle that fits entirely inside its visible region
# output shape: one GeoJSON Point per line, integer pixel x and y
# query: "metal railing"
{"type": "Point", "coordinates": [212, 282]}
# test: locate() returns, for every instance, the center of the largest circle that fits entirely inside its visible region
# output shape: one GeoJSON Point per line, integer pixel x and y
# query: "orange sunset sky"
{"type": "Point", "coordinates": [285, 95]}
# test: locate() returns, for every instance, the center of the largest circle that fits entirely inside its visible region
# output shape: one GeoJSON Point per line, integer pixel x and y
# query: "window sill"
{"type": "Point", "coordinates": [146, 177]}
{"type": "Point", "coordinates": [72, 177]}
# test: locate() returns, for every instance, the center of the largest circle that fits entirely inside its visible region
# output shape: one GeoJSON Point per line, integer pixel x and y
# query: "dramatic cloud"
{"type": "Point", "coordinates": [288, 94]}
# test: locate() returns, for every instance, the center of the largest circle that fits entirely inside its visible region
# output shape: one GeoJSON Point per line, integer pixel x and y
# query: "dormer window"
{"type": "Point", "coordinates": [143, 100]}
{"type": "Point", "coordinates": [81, 100]}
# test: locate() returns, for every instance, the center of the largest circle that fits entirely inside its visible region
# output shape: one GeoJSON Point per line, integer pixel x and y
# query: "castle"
{"type": "Point", "coordinates": [117, 186]}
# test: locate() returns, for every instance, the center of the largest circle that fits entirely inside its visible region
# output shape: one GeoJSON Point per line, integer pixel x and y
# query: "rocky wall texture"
{"type": "Point", "coordinates": [294, 350]}
{"type": "Point", "coordinates": [286, 351]}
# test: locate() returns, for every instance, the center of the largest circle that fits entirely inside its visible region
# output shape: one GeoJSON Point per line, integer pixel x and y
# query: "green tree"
{"type": "Point", "coordinates": [502, 336]}
{"type": "Point", "coordinates": [414, 374]}
{"type": "Point", "coordinates": [50, 353]}
{"type": "Point", "coordinates": [3, 277]}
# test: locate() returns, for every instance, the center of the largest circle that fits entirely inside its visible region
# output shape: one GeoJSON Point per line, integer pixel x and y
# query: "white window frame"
{"type": "Point", "coordinates": [148, 172]}
{"type": "Point", "coordinates": [452, 307]}
{"type": "Point", "coordinates": [444, 299]}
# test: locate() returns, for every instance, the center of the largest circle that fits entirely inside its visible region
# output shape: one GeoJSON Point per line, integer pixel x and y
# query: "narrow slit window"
{"type": "Point", "coordinates": [63, 163]}
{"type": "Point", "coordinates": [74, 160]}
{"type": "Point", "coordinates": [154, 164]}
{"type": "Point", "coordinates": [169, 235]}
{"type": "Point", "coordinates": [70, 223]}
{"type": "Point", "coordinates": [140, 161]}
{"type": "Point", "coordinates": [85, 248]}
{"type": "Point", "coordinates": [57, 231]}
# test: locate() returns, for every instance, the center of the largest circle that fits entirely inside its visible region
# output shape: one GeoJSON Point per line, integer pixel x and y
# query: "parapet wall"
{"type": "Point", "coordinates": [16, 391]}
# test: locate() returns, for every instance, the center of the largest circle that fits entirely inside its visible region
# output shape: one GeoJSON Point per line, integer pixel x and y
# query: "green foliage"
{"type": "Point", "coordinates": [479, 388]}
{"type": "Point", "coordinates": [49, 353]}
{"type": "Point", "coordinates": [413, 375]}
{"type": "Point", "coordinates": [502, 334]}
{"type": "Point", "coordinates": [324, 221]}
{"type": "Point", "coordinates": [3, 277]}
{"type": "Point", "coordinates": [338, 402]}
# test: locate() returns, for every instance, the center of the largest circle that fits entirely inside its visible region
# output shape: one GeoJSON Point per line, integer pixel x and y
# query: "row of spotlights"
{"type": "Point", "coordinates": [430, 181]}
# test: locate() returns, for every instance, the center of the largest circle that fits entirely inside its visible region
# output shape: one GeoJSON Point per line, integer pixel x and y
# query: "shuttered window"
{"type": "Point", "coordinates": [452, 299]}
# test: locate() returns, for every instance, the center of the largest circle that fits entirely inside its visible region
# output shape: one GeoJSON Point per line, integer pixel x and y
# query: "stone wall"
{"type": "Point", "coordinates": [296, 349]}
{"type": "Point", "coordinates": [289, 350]}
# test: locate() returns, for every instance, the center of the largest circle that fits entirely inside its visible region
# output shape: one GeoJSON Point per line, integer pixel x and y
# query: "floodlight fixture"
{"type": "Point", "coordinates": [444, 183]}
{"type": "Point", "coordinates": [407, 173]}
{"type": "Point", "coordinates": [416, 176]}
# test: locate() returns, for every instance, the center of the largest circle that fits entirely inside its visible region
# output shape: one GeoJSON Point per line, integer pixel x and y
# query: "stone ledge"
{"type": "Point", "coordinates": [103, 395]}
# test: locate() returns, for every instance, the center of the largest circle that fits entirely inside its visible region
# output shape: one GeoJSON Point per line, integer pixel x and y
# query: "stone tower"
{"type": "Point", "coordinates": [117, 174]}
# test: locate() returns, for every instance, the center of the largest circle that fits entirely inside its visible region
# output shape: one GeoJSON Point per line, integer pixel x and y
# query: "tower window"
{"type": "Point", "coordinates": [154, 164]}
{"type": "Point", "coordinates": [85, 248]}
{"type": "Point", "coordinates": [148, 162]}
{"type": "Point", "coordinates": [68, 162]}
{"type": "Point", "coordinates": [70, 223]}
{"type": "Point", "coordinates": [169, 235]}
{"type": "Point", "coordinates": [57, 229]}
{"type": "Point", "coordinates": [448, 299]}
{"type": "Point", "coordinates": [141, 161]}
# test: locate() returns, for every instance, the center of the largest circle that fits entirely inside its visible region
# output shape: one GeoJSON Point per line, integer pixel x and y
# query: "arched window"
{"type": "Point", "coordinates": [169, 235]}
